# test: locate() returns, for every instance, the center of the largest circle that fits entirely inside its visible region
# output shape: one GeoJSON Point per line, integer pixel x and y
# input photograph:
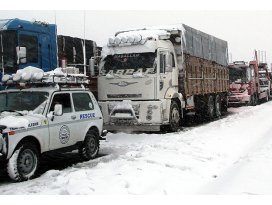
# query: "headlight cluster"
{"type": "Point", "coordinates": [134, 39]}
{"type": "Point", "coordinates": [150, 111]}
{"type": "Point", "coordinates": [136, 109]}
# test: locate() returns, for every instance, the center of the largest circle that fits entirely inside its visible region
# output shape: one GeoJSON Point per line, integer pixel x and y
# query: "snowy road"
{"type": "Point", "coordinates": [227, 156]}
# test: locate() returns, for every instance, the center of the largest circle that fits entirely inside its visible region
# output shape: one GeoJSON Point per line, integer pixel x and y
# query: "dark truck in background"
{"type": "Point", "coordinates": [25, 43]}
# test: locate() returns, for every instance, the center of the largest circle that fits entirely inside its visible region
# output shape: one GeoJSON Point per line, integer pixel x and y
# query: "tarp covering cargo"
{"type": "Point", "coordinates": [205, 46]}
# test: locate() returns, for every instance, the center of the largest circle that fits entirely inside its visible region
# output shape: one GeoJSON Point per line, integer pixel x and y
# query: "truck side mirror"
{"type": "Point", "coordinates": [169, 63]}
{"type": "Point", "coordinates": [21, 55]}
{"type": "Point", "coordinates": [92, 67]}
{"type": "Point", "coordinates": [58, 110]}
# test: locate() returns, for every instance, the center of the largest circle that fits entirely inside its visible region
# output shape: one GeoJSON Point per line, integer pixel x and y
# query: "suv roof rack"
{"type": "Point", "coordinates": [41, 79]}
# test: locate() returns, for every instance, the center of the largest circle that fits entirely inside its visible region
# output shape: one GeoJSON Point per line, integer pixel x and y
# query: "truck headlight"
{"type": "Point", "coordinates": [136, 109]}
{"type": "Point", "coordinates": [149, 112]}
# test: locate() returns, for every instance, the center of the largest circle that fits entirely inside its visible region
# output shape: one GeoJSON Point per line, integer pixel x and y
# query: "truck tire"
{"type": "Point", "coordinates": [251, 101]}
{"type": "Point", "coordinates": [255, 99]}
{"type": "Point", "coordinates": [217, 106]}
{"type": "Point", "coordinates": [174, 118]}
{"type": "Point", "coordinates": [267, 96]}
{"type": "Point", "coordinates": [90, 146]}
{"type": "Point", "coordinates": [210, 108]}
{"type": "Point", "coordinates": [23, 163]}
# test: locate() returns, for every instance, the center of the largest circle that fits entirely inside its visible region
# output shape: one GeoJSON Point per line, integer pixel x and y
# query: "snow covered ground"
{"type": "Point", "coordinates": [228, 156]}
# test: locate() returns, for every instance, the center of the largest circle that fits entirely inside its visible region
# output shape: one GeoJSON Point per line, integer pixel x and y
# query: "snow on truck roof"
{"type": "Point", "coordinates": [34, 25]}
{"type": "Point", "coordinates": [192, 41]}
{"type": "Point", "coordinates": [152, 31]}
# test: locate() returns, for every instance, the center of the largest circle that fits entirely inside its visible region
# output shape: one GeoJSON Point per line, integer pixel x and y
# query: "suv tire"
{"type": "Point", "coordinates": [23, 163]}
{"type": "Point", "coordinates": [90, 147]}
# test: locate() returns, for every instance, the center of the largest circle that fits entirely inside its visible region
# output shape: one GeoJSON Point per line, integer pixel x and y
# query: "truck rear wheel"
{"type": "Point", "coordinates": [217, 106]}
{"type": "Point", "coordinates": [90, 147]}
{"type": "Point", "coordinates": [267, 96]}
{"type": "Point", "coordinates": [23, 163]}
{"type": "Point", "coordinates": [174, 118]}
{"type": "Point", "coordinates": [210, 108]}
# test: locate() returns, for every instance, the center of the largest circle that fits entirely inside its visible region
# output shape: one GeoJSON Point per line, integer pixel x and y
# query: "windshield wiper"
{"type": "Point", "coordinates": [12, 111]}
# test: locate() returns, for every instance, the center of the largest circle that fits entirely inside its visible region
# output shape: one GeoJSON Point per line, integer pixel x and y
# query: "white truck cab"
{"type": "Point", "coordinates": [35, 121]}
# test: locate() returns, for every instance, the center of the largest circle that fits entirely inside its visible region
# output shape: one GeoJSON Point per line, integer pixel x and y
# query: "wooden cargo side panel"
{"type": "Point", "coordinates": [204, 77]}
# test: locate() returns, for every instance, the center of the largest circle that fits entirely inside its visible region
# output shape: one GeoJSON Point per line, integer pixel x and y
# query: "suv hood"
{"type": "Point", "coordinates": [22, 122]}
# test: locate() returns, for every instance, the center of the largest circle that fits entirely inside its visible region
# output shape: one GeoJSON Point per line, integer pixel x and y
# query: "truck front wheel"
{"type": "Point", "coordinates": [254, 99]}
{"type": "Point", "coordinates": [174, 119]}
{"type": "Point", "coordinates": [23, 164]}
{"type": "Point", "coordinates": [90, 146]}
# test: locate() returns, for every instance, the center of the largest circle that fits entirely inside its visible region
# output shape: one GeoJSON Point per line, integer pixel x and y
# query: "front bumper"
{"type": "Point", "coordinates": [132, 128]}
{"type": "Point", "coordinates": [238, 99]}
{"type": "Point", "coordinates": [130, 116]}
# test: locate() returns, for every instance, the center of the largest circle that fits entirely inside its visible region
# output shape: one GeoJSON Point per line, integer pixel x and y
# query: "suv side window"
{"type": "Point", "coordinates": [63, 99]}
{"type": "Point", "coordinates": [82, 102]}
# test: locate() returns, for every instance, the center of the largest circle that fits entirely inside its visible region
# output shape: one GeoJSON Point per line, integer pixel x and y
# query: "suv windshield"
{"type": "Point", "coordinates": [23, 101]}
{"type": "Point", "coordinates": [133, 61]}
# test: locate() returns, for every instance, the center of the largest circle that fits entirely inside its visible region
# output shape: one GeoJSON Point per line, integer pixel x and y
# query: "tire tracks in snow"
{"type": "Point", "coordinates": [231, 179]}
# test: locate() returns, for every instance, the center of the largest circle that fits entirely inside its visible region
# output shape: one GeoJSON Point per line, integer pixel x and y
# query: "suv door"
{"type": "Point", "coordinates": [85, 112]}
{"type": "Point", "coordinates": [62, 128]}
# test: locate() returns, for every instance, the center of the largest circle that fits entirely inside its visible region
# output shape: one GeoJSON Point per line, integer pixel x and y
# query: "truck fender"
{"type": "Point", "coordinates": [180, 97]}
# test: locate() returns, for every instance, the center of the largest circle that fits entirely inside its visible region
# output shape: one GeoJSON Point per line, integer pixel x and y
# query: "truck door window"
{"type": "Point", "coordinates": [64, 100]}
{"type": "Point", "coordinates": [82, 102]}
{"type": "Point", "coordinates": [31, 44]}
{"type": "Point", "coordinates": [162, 62]}
{"type": "Point", "coordinates": [173, 60]}
{"type": "Point", "coordinates": [9, 39]}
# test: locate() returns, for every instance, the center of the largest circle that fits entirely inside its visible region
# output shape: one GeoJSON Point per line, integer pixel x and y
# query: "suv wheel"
{"type": "Point", "coordinates": [23, 163]}
{"type": "Point", "coordinates": [90, 147]}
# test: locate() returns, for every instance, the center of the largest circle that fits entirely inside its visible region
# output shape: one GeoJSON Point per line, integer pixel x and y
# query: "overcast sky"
{"type": "Point", "coordinates": [244, 30]}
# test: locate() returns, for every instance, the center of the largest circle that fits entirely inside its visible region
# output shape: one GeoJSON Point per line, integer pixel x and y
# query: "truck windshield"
{"type": "Point", "coordinates": [238, 75]}
{"type": "Point", "coordinates": [132, 61]}
{"type": "Point", "coordinates": [264, 83]}
{"type": "Point", "coordinates": [8, 43]}
{"type": "Point", "coordinates": [262, 75]}
{"type": "Point", "coordinates": [23, 101]}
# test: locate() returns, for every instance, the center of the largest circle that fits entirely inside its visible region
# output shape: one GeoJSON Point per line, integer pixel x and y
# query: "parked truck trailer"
{"type": "Point", "coordinates": [151, 78]}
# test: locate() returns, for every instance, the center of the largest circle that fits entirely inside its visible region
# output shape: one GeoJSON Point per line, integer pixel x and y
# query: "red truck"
{"type": "Point", "coordinates": [247, 83]}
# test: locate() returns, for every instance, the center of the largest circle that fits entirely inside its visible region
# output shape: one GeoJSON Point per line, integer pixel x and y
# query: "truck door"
{"type": "Point", "coordinates": [45, 49]}
{"type": "Point", "coordinates": [62, 129]}
{"type": "Point", "coordinates": [29, 40]}
{"type": "Point", "coordinates": [165, 71]}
